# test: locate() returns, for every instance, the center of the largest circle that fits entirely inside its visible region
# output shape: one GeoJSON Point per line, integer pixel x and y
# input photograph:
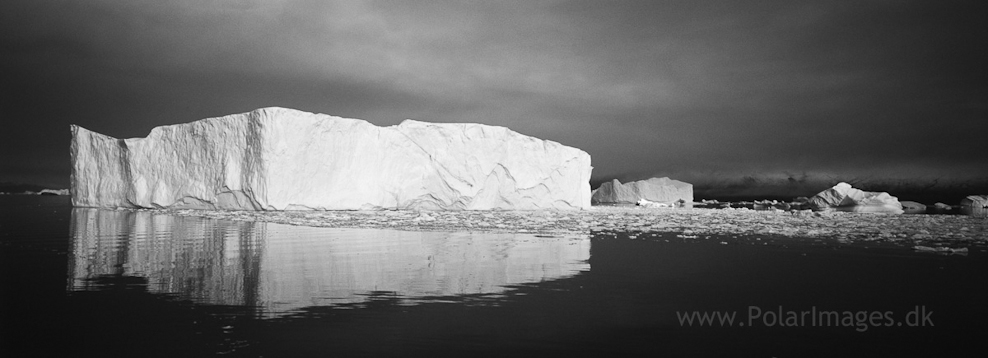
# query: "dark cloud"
{"type": "Point", "coordinates": [689, 88]}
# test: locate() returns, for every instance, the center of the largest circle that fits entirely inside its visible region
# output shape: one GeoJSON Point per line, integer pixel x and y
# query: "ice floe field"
{"type": "Point", "coordinates": [939, 233]}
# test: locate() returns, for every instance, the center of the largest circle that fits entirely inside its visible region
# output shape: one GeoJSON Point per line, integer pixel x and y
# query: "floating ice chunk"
{"type": "Point", "coordinates": [652, 204]}
{"type": "Point", "coordinates": [941, 250]}
{"type": "Point", "coordinates": [54, 192]}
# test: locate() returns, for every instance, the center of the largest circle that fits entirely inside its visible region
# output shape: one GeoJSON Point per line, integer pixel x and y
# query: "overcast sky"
{"type": "Point", "coordinates": [669, 88]}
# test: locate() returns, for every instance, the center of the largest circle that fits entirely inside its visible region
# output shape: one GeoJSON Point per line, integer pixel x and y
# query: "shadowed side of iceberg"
{"type": "Point", "coordinates": [283, 159]}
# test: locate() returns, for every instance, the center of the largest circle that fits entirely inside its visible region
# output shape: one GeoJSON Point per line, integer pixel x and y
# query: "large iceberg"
{"type": "Point", "coordinates": [842, 197]}
{"type": "Point", "coordinates": [656, 190]}
{"type": "Point", "coordinates": [284, 159]}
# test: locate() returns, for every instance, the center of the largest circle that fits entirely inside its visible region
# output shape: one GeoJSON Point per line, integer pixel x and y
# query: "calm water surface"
{"type": "Point", "coordinates": [120, 283]}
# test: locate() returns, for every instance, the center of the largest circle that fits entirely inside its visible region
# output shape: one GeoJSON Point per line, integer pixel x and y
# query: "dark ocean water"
{"type": "Point", "coordinates": [119, 283]}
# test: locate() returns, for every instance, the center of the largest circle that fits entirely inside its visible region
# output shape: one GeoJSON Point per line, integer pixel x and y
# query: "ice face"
{"type": "Point", "coordinates": [283, 159]}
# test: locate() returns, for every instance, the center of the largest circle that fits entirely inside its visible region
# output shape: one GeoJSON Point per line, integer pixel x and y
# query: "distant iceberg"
{"type": "Point", "coordinates": [655, 190]}
{"type": "Point", "coordinates": [842, 197]}
{"type": "Point", "coordinates": [975, 205]}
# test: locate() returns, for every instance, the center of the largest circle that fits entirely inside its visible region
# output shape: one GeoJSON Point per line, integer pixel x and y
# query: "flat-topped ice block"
{"type": "Point", "coordinates": [284, 159]}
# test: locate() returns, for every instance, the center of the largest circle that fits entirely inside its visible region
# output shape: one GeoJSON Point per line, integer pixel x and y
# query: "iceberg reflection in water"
{"type": "Point", "coordinates": [280, 268]}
